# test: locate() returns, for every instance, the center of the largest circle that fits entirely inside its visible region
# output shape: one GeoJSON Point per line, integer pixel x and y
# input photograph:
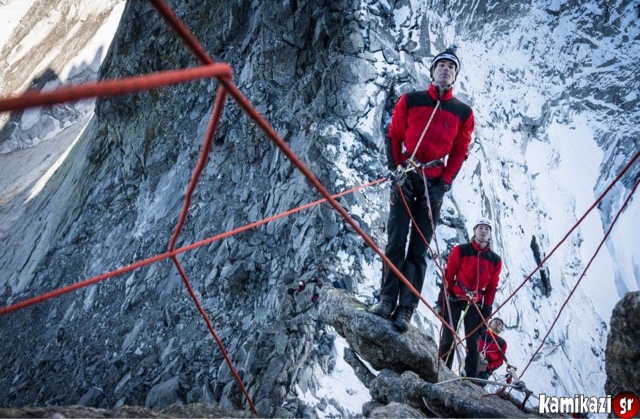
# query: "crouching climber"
{"type": "Point", "coordinates": [492, 349]}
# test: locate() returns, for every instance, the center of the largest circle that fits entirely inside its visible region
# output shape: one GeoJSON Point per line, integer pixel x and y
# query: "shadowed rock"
{"type": "Point", "coordinates": [393, 410]}
{"type": "Point", "coordinates": [196, 410]}
{"type": "Point", "coordinates": [623, 352]}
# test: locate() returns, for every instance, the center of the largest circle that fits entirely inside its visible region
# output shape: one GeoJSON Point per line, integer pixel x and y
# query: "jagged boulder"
{"type": "Point", "coordinates": [410, 371]}
{"type": "Point", "coordinates": [623, 353]}
{"type": "Point", "coordinates": [392, 410]}
{"type": "Point", "coordinates": [379, 341]}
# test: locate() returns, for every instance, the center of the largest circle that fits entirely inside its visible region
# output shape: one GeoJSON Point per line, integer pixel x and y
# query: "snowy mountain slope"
{"type": "Point", "coordinates": [542, 155]}
{"type": "Point", "coordinates": [45, 44]}
{"type": "Point", "coordinates": [552, 85]}
{"type": "Point", "coordinates": [62, 36]}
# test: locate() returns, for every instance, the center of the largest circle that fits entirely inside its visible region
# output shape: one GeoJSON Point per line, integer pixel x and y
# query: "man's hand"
{"type": "Point", "coordinates": [446, 186]}
{"type": "Point", "coordinates": [398, 176]}
{"type": "Point", "coordinates": [486, 311]}
{"type": "Point", "coordinates": [483, 364]}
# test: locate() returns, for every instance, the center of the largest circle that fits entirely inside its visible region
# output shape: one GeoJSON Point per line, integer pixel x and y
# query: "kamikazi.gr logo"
{"type": "Point", "coordinates": [624, 405]}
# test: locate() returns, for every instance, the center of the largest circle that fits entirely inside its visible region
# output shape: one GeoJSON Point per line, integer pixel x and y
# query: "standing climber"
{"type": "Point", "coordinates": [471, 281]}
{"type": "Point", "coordinates": [492, 349]}
{"type": "Point", "coordinates": [435, 129]}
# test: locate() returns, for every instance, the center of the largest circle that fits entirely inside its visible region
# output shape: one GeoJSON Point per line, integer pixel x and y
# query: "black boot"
{"type": "Point", "coordinates": [403, 318]}
{"type": "Point", "coordinates": [383, 309]}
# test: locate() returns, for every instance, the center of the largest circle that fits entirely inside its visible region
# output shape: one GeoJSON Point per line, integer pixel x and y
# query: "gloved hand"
{"type": "Point", "coordinates": [483, 363]}
{"type": "Point", "coordinates": [486, 311]}
{"type": "Point", "coordinates": [446, 186]}
{"type": "Point", "coordinates": [398, 176]}
{"type": "Point", "coordinates": [438, 308]}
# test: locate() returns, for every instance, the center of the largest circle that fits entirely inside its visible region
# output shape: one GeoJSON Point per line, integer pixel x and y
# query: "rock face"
{"type": "Point", "coordinates": [623, 352]}
{"type": "Point", "coordinates": [138, 338]}
{"type": "Point", "coordinates": [196, 410]}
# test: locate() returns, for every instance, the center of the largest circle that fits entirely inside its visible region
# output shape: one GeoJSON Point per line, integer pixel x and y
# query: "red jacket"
{"type": "Point", "coordinates": [492, 352]}
{"type": "Point", "coordinates": [471, 268]}
{"type": "Point", "coordinates": [448, 134]}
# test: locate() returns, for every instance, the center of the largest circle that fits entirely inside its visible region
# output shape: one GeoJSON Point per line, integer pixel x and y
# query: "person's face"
{"type": "Point", "coordinates": [497, 326]}
{"type": "Point", "coordinates": [482, 233]}
{"type": "Point", "coordinates": [444, 72]}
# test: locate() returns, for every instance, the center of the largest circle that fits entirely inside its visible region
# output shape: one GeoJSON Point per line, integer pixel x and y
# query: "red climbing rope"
{"type": "Point", "coordinates": [109, 88]}
{"type": "Point", "coordinates": [597, 201]}
{"type": "Point", "coordinates": [584, 272]}
{"type": "Point", "coordinates": [94, 280]}
{"type": "Point", "coordinates": [197, 49]}
{"type": "Point", "coordinates": [202, 162]}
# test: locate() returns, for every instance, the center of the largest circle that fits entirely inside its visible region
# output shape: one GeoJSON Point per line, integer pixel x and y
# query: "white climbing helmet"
{"type": "Point", "coordinates": [483, 221]}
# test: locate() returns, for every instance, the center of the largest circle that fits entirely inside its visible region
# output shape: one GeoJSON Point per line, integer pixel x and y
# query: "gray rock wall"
{"type": "Point", "coordinates": [138, 338]}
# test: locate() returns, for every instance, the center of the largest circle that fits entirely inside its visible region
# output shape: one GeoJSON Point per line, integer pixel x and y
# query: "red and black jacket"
{"type": "Point", "coordinates": [449, 133]}
{"type": "Point", "coordinates": [493, 350]}
{"type": "Point", "coordinates": [473, 269]}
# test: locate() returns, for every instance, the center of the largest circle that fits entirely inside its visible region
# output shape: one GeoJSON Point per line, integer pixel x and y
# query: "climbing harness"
{"type": "Point", "coordinates": [399, 176]}
{"type": "Point", "coordinates": [470, 295]}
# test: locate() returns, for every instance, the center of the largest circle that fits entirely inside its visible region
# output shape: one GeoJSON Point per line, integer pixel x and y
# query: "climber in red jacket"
{"type": "Point", "coordinates": [471, 280]}
{"type": "Point", "coordinates": [434, 128]}
{"type": "Point", "coordinates": [492, 349]}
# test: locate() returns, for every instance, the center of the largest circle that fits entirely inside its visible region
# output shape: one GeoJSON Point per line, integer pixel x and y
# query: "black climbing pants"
{"type": "Point", "coordinates": [471, 321]}
{"type": "Point", "coordinates": [410, 260]}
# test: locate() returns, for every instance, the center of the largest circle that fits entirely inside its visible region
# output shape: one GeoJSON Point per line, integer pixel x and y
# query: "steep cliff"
{"type": "Point", "coordinates": [297, 64]}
